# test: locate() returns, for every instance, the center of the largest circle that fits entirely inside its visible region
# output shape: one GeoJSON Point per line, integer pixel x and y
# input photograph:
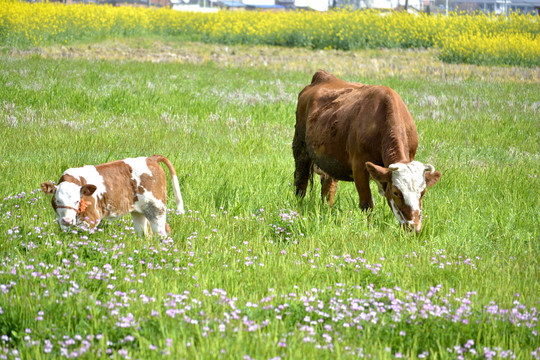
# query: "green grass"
{"type": "Point", "coordinates": [229, 283]}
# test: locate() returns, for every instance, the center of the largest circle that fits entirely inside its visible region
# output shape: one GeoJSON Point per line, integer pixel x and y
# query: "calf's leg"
{"type": "Point", "coordinates": [140, 223]}
{"type": "Point", "coordinates": [155, 213]}
{"type": "Point", "coordinates": [158, 220]}
{"type": "Point", "coordinates": [159, 225]}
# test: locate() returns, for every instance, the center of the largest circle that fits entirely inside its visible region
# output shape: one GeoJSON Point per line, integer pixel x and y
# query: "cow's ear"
{"type": "Point", "coordinates": [432, 177]}
{"type": "Point", "coordinates": [48, 188]}
{"type": "Point", "coordinates": [379, 173]}
{"type": "Point", "coordinates": [88, 189]}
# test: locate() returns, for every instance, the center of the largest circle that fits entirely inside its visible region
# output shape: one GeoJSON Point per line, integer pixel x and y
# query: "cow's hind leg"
{"type": "Point", "coordinates": [328, 189]}
{"type": "Point", "coordinates": [328, 185]}
{"type": "Point", "coordinates": [140, 223]}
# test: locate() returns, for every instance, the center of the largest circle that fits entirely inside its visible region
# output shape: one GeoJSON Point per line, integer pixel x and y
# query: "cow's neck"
{"type": "Point", "coordinates": [395, 152]}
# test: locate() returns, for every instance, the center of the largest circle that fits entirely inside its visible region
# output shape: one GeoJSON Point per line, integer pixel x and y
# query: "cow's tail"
{"type": "Point", "coordinates": [311, 174]}
{"type": "Point", "coordinates": [303, 179]}
{"type": "Point", "coordinates": [175, 184]}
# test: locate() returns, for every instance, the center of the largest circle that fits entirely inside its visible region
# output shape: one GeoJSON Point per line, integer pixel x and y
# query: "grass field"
{"type": "Point", "coordinates": [248, 272]}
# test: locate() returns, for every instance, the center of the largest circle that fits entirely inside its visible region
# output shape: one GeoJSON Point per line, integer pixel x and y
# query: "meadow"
{"type": "Point", "coordinates": [249, 272]}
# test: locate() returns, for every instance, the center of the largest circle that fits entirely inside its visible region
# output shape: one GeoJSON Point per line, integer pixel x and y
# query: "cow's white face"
{"type": "Point", "coordinates": [405, 193]}
{"type": "Point", "coordinates": [66, 202]}
{"type": "Point", "coordinates": [404, 185]}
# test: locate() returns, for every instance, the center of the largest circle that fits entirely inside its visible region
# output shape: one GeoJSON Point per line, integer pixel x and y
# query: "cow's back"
{"type": "Point", "coordinates": [323, 90]}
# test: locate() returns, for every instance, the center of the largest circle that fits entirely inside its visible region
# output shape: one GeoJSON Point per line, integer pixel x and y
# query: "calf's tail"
{"type": "Point", "coordinates": [175, 184]}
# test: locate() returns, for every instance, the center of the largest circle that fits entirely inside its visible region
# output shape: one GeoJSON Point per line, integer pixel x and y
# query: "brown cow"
{"type": "Point", "coordinates": [351, 131]}
{"type": "Point", "coordinates": [87, 194]}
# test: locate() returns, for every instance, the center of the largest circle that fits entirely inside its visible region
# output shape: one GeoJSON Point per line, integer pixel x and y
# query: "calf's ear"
{"type": "Point", "coordinates": [88, 189]}
{"type": "Point", "coordinates": [379, 173]}
{"type": "Point", "coordinates": [432, 177]}
{"type": "Point", "coordinates": [48, 187]}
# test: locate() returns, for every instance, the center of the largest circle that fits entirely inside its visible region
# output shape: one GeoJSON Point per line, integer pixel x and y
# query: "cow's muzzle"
{"type": "Point", "coordinates": [412, 227]}
{"type": "Point", "coordinates": [66, 221]}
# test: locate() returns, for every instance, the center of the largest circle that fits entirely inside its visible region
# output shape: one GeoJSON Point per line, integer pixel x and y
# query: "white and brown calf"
{"type": "Point", "coordinates": [135, 186]}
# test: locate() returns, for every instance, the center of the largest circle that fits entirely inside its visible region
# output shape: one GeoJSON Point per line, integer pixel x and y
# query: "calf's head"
{"type": "Point", "coordinates": [72, 203]}
{"type": "Point", "coordinates": [403, 185]}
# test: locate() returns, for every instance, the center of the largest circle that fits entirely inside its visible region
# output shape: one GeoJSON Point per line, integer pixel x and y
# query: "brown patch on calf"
{"type": "Point", "coordinates": [48, 188]}
{"type": "Point", "coordinates": [90, 216]}
{"type": "Point", "coordinates": [155, 183]}
{"type": "Point", "coordinates": [118, 197]}
{"type": "Point", "coordinates": [88, 189]}
{"type": "Point", "coordinates": [72, 179]}
{"type": "Point", "coordinates": [431, 179]}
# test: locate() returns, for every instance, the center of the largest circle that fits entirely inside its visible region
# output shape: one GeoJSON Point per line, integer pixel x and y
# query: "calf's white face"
{"type": "Point", "coordinates": [404, 185]}
{"type": "Point", "coordinates": [67, 198]}
{"type": "Point", "coordinates": [67, 201]}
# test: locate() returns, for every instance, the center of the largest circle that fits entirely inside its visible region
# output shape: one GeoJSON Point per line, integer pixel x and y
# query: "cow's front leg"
{"type": "Point", "coordinates": [361, 180]}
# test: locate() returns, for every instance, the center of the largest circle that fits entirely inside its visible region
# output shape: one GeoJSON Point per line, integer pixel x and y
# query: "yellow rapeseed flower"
{"type": "Point", "coordinates": [459, 37]}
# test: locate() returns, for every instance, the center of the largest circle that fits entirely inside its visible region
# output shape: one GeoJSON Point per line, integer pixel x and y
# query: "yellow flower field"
{"type": "Point", "coordinates": [471, 38]}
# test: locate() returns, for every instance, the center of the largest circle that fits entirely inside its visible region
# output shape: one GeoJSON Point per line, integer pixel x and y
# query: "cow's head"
{"type": "Point", "coordinates": [72, 203]}
{"type": "Point", "coordinates": [404, 185]}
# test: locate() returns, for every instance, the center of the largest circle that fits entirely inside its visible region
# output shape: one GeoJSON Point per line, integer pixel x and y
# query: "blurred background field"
{"type": "Point", "coordinates": [476, 38]}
